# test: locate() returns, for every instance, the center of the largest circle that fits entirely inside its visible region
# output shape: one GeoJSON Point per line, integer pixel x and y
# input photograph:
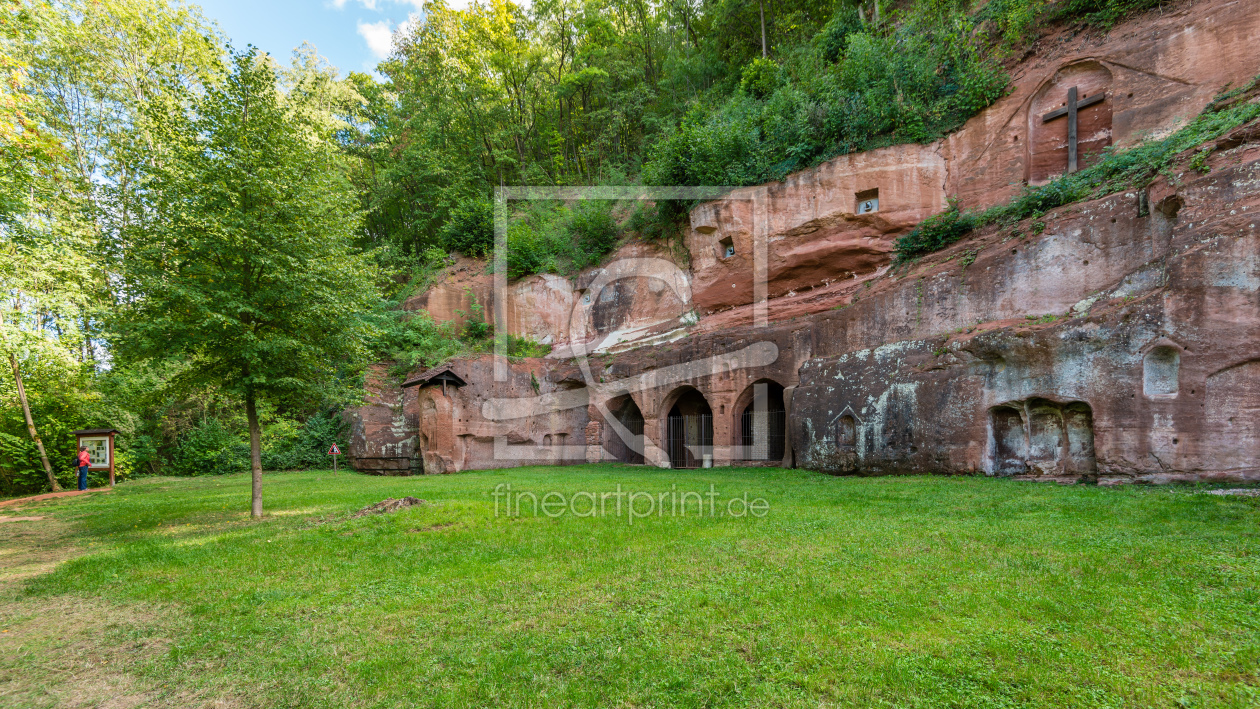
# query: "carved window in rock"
{"type": "Point", "coordinates": [1072, 109]}
{"type": "Point", "coordinates": [846, 432]}
{"type": "Point", "coordinates": [1161, 369]}
{"type": "Point", "coordinates": [726, 248]}
{"type": "Point", "coordinates": [867, 201]}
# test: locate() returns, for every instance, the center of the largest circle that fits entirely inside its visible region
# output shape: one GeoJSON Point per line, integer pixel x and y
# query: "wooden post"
{"type": "Point", "coordinates": [111, 460]}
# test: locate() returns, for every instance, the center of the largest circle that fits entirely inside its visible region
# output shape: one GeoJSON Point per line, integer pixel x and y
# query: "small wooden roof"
{"type": "Point", "coordinates": [437, 375]}
{"type": "Point", "coordinates": [95, 431]}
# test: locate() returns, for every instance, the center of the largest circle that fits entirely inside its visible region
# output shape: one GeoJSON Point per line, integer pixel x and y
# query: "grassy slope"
{"type": "Point", "coordinates": [871, 592]}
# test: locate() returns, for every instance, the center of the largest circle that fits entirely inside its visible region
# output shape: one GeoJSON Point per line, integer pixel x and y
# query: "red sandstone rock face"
{"type": "Point", "coordinates": [1164, 68]}
{"type": "Point", "coordinates": [1157, 71]}
{"type": "Point", "coordinates": [382, 433]}
{"type": "Point", "coordinates": [815, 234]}
{"type": "Point", "coordinates": [454, 434]}
{"type": "Point", "coordinates": [652, 293]}
{"type": "Point", "coordinates": [464, 284]}
{"type": "Point", "coordinates": [1153, 377]}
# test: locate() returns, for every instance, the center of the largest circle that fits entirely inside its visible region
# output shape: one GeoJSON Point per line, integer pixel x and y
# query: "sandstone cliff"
{"type": "Point", "coordinates": [1112, 340]}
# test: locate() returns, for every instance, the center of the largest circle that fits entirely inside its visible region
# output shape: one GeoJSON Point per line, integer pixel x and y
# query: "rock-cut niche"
{"type": "Point", "coordinates": [1160, 371]}
{"type": "Point", "coordinates": [1042, 437]}
{"type": "Point", "coordinates": [1050, 123]}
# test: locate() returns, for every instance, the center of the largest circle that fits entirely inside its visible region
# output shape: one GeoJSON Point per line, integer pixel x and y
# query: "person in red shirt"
{"type": "Point", "coordinates": [85, 459]}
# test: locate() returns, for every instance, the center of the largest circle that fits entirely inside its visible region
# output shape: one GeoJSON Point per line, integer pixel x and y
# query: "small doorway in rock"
{"type": "Point", "coordinates": [1078, 419]}
{"type": "Point", "coordinates": [846, 432]}
{"type": "Point", "coordinates": [689, 431]}
{"type": "Point", "coordinates": [1160, 371]}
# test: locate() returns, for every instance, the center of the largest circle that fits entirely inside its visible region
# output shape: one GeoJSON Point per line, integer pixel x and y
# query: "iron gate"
{"type": "Point", "coordinates": [762, 435]}
{"type": "Point", "coordinates": [690, 441]}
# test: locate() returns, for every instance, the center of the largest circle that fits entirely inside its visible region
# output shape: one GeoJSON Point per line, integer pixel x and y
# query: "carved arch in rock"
{"type": "Point", "coordinates": [759, 422]}
{"type": "Point", "coordinates": [1161, 371]}
{"type": "Point", "coordinates": [687, 428]}
{"type": "Point", "coordinates": [627, 412]}
{"type": "Point", "coordinates": [1047, 146]}
{"type": "Point", "coordinates": [1041, 437]}
{"type": "Point", "coordinates": [1231, 417]}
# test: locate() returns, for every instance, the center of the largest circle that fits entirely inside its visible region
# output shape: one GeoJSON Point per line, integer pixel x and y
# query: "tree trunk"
{"type": "Point", "coordinates": [255, 454]}
{"type": "Point", "coordinates": [30, 423]}
{"type": "Point", "coordinates": [761, 5]}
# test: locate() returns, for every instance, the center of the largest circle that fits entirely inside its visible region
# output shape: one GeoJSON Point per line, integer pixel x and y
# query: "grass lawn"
{"type": "Point", "coordinates": [896, 591]}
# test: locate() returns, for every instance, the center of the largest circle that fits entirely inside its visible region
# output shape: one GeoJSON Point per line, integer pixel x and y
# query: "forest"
{"type": "Point", "coordinates": [204, 245]}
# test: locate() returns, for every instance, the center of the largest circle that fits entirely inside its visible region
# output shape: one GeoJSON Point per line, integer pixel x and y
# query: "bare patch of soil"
{"type": "Point", "coordinates": [388, 505]}
{"type": "Point", "coordinates": [434, 528]}
{"type": "Point", "coordinates": [1238, 491]}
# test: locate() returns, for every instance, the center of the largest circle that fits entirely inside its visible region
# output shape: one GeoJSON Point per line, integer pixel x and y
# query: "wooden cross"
{"type": "Point", "coordinates": [1070, 111]}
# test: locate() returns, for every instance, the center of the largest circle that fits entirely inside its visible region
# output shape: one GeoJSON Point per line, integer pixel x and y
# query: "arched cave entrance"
{"type": "Point", "coordinates": [627, 413]}
{"type": "Point", "coordinates": [1042, 437]}
{"type": "Point", "coordinates": [689, 431]}
{"type": "Point", "coordinates": [760, 422]}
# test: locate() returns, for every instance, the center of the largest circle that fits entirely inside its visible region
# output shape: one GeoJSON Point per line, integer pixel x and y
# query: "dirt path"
{"type": "Point", "coordinates": [72, 651]}
{"type": "Point", "coordinates": [53, 496]}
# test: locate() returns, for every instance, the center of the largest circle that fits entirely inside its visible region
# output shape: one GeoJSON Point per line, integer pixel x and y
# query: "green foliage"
{"type": "Point", "coordinates": [414, 341]}
{"type": "Point", "coordinates": [1117, 170]}
{"type": "Point", "coordinates": [212, 448]}
{"type": "Point", "coordinates": [555, 238]}
{"type": "Point", "coordinates": [1016, 21]}
{"type": "Point", "coordinates": [1104, 13]}
{"type": "Point", "coordinates": [833, 39]}
{"type": "Point", "coordinates": [760, 78]}
{"type": "Point", "coordinates": [913, 84]}
{"type": "Point", "coordinates": [523, 346]}
{"type": "Point", "coordinates": [614, 91]}
{"type": "Point", "coordinates": [470, 230]}
{"type": "Point", "coordinates": [476, 329]}
{"type": "Point", "coordinates": [246, 267]}
{"type": "Point", "coordinates": [593, 231]}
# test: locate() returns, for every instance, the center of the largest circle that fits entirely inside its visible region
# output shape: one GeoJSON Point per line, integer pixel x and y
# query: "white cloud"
{"type": "Point", "coordinates": [417, 4]}
{"type": "Point", "coordinates": [379, 36]}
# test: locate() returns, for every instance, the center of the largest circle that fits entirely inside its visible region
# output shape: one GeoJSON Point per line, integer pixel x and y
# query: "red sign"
{"type": "Point", "coordinates": [334, 450]}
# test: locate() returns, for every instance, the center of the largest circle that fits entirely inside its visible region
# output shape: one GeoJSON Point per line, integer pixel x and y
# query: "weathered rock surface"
{"type": "Point", "coordinates": [382, 434]}
{"type": "Point", "coordinates": [1157, 72]}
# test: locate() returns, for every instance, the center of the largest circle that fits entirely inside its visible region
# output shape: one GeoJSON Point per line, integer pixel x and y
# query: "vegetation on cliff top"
{"type": "Point", "coordinates": [571, 92]}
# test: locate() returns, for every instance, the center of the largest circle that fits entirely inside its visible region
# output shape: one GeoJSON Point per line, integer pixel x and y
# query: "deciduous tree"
{"type": "Point", "coordinates": [243, 265]}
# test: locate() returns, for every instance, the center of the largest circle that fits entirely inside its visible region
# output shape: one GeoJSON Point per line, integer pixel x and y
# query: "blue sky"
{"type": "Point", "coordinates": [352, 34]}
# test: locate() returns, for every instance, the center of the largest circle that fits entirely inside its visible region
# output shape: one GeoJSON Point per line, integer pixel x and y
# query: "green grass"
{"type": "Point", "coordinates": [897, 591]}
